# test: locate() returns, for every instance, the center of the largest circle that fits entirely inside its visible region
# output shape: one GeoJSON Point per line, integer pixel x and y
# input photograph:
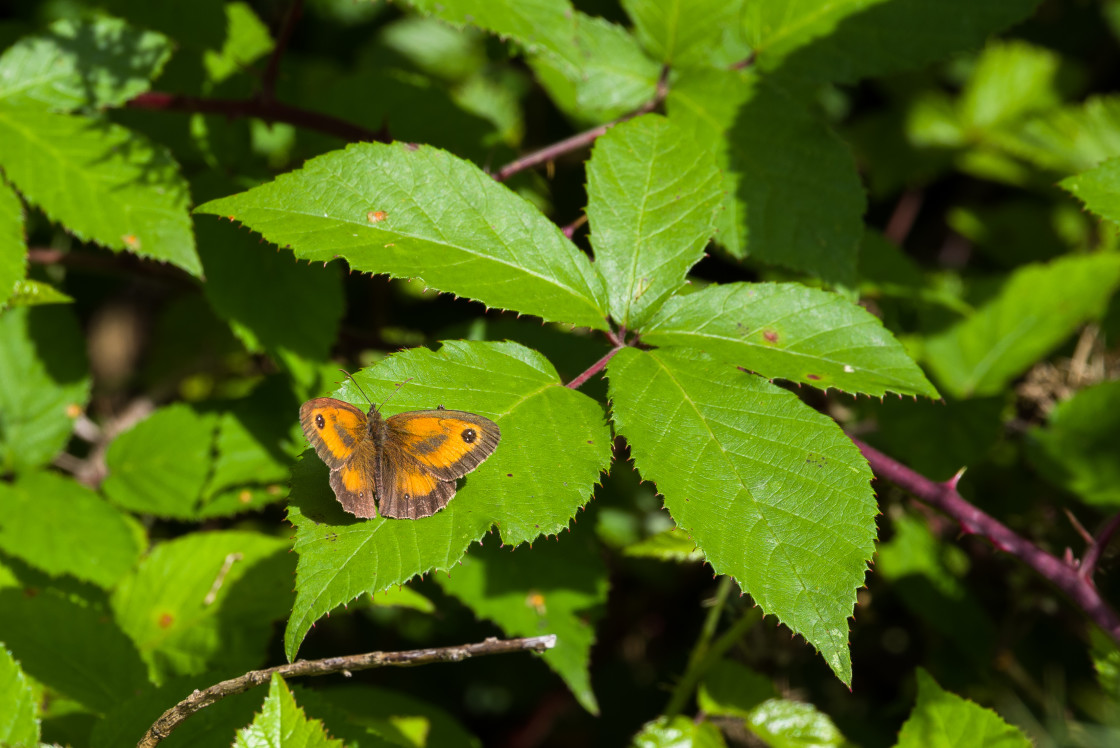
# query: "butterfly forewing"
{"type": "Point", "coordinates": [334, 428]}
{"type": "Point", "coordinates": [450, 443]}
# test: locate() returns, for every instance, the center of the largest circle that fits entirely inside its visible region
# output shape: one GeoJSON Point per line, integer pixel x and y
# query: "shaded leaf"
{"type": "Point", "coordinates": [1038, 308]}
{"type": "Point", "coordinates": [824, 40]}
{"type": "Point", "coordinates": [35, 293]}
{"type": "Point", "coordinates": [1077, 449]}
{"type": "Point", "coordinates": [206, 601]}
{"type": "Point", "coordinates": [82, 64]}
{"type": "Point", "coordinates": [76, 650]}
{"type": "Point", "coordinates": [160, 465]}
{"type": "Point", "coordinates": [680, 33]}
{"type": "Point", "coordinates": [247, 40]}
{"type": "Point", "coordinates": [772, 492]}
{"type": "Point", "coordinates": [104, 183]}
{"type": "Point", "coordinates": [423, 213]}
{"type": "Point", "coordinates": [531, 486]}
{"type": "Point", "coordinates": [384, 710]}
{"type": "Point", "coordinates": [941, 718]}
{"type": "Point", "coordinates": [44, 384]}
{"type": "Point", "coordinates": [652, 197]}
{"type": "Point", "coordinates": [283, 723]}
{"type": "Point", "coordinates": [733, 690]}
{"type": "Point", "coordinates": [790, 331]}
{"type": "Point", "coordinates": [556, 587]}
{"type": "Point", "coordinates": [794, 197]}
{"type": "Point", "coordinates": [62, 527]}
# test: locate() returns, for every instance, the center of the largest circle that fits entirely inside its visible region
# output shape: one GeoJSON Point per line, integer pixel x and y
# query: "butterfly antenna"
{"type": "Point", "coordinates": [402, 384]}
{"type": "Point", "coordinates": [355, 381]}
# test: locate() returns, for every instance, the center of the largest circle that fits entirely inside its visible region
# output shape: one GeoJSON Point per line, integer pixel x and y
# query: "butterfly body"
{"type": "Point", "coordinates": [409, 461]}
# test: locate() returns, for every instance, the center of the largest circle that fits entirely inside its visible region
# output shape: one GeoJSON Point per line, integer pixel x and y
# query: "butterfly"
{"type": "Point", "coordinates": [410, 460]}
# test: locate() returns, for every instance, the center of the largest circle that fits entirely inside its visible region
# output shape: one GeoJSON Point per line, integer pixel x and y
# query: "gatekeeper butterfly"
{"type": "Point", "coordinates": [410, 460]}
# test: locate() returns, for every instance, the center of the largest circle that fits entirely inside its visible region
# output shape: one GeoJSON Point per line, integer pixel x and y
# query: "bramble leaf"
{"type": "Point", "coordinates": [772, 492]}
{"type": "Point", "coordinates": [652, 197]}
{"type": "Point", "coordinates": [532, 485]}
{"type": "Point", "coordinates": [790, 331]}
{"type": "Point", "coordinates": [418, 212]}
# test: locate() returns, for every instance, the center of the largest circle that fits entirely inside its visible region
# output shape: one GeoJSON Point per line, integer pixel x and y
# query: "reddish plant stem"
{"type": "Point", "coordinates": [269, 111]}
{"type": "Point", "coordinates": [272, 70]}
{"type": "Point", "coordinates": [582, 139]}
{"type": "Point", "coordinates": [595, 368]}
{"type": "Point", "coordinates": [1093, 554]}
{"type": "Point", "coordinates": [944, 497]}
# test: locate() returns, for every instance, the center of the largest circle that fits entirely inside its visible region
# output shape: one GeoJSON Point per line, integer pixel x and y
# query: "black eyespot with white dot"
{"type": "Point", "coordinates": [319, 422]}
{"type": "Point", "coordinates": [469, 435]}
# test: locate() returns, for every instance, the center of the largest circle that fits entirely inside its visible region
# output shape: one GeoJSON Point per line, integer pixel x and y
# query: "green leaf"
{"type": "Point", "coordinates": [104, 183]}
{"type": "Point", "coordinates": [13, 243]}
{"type": "Point", "coordinates": [1069, 139]}
{"type": "Point", "coordinates": [247, 40]}
{"type": "Point", "coordinates": [1077, 449]}
{"type": "Point", "coordinates": [294, 309]}
{"type": "Point", "coordinates": [793, 332]}
{"type": "Point", "coordinates": [600, 74]}
{"type": "Point", "coordinates": [590, 65]}
{"type": "Point", "coordinates": [732, 690]}
{"type": "Point", "coordinates": [19, 714]}
{"type": "Point", "coordinates": [783, 723]}
{"type": "Point", "coordinates": [794, 197]}
{"type": "Point", "coordinates": [206, 601]}
{"type": "Point", "coordinates": [652, 196]}
{"type": "Point", "coordinates": [825, 40]}
{"type": "Point", "coordinates": [160, 465]}
{"type": "Point", "coordinates": [34, 293]}
{"type": "Point", "coordinates": [942, 719]}
{"type": "Point", "coordinates": [257, 443]}
{"type": "Point", "coordinates": [282, 723]}
{"type": "Point", "coordinates": [75, 650]}
{"type": "Point", "coordinates": [681, 33]}
{"type": "Point", "coordinates": [556, 587]}
{"type": "Point", "coordinates": [1011, 80]}
{"type": "Point", "coordinates": [62, 527]}
{"type": "Point", "coordinates": [391, 712]}
{"type": "Point", "coordinates": [678, 732]}
{"type": "Point", "coordinates": [669, 545]}
{"type": "Point", "coordinates": [532, 485]}
{"type": "Point", "coordinates": [44, 384]}
{"type": "Point", "coordinates": [89, 64]}
{"type": "Point", "coordinates": [1098, 188]}
{"type": "Point", "coordinates": [423, 213]}
{"type": "Point", "coordinates": [772, 492]}
{"type": "Point", "coordinates": [1038, 308]}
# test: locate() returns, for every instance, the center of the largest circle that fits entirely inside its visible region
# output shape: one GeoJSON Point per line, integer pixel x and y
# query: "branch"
{"type": "Point", "coordinates": [268, 79]}
{"type": "Point", "coordinates": [595, 368]}
{"type": "Point", "coordinates": [1093, 554]}
{"type": "Point", "coordinates": [582, 139]}
{"type": "Point", "coordinates": [269, 111]}
{"type": "Point", "coordinates": [973, 521]}
{"type": "Point", "coordinates": [201, 699]}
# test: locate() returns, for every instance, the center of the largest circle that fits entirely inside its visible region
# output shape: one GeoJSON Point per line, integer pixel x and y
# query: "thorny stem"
{"type": "Point", "coordinates": [1093, 554]}
{"type": "Point", "coordinates": [202, 699]}
{"type": "Point", "coordinates": [1065, 576]}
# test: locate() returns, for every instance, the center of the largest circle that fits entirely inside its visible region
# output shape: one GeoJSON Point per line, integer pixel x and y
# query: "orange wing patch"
{"type": "Point", "coordinates": [414, 484]}
{"type": "Point", "coordinates": [334, 428]}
